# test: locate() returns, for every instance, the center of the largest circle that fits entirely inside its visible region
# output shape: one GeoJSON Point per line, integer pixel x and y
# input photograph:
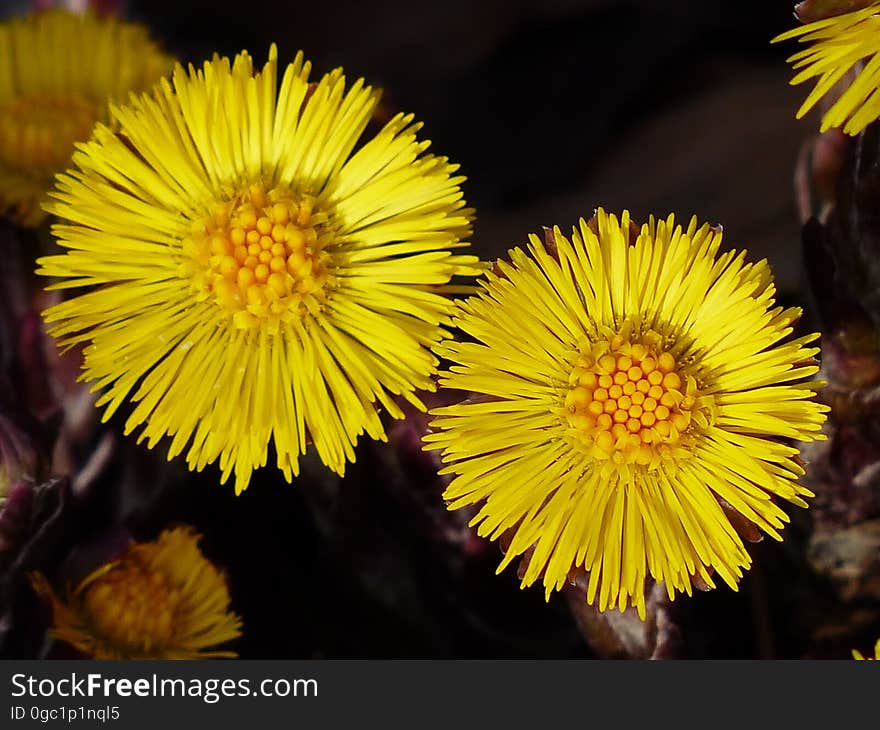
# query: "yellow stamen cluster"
{"type": "Point", "coordinates": [133, 605]}
{"type": "Point", "coordinates": [37, 133]}
{"type": "Point", "coordinates": [630, 402]}
{"type": "Point", "coordinates": [262, 257]}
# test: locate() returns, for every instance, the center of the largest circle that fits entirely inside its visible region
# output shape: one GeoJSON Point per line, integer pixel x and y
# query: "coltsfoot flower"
{"type": "Point", "coordinates": [263, 273]}
{"type": "Point", "coordinates": [839, 44]}
{"type": "Point", "coordinates": [159, 600]}
{"type": "Point", "coordinates": [58, 72]}
{"type": "Point", "coordinates": [628, 392]}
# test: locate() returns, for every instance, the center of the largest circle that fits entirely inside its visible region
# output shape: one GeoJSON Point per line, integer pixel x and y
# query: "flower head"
{"type": "Point", "coordinates": [838, 44]}
{"type": "Point", "coordinates": [263, 273]}
{"type": "Point", "coordinates": [629, 392]}
{"type": "Point", "coordinates": [858, 655]}
{"type": "Point", "coordinates": [59, 69]}
{"type": "Point", "coordinates": [159, 600]}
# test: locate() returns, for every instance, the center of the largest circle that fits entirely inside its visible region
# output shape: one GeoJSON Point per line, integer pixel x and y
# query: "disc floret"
{"type": "Point", "coordinates": [630, 400]}
{"type": "Point", "coordinates": [262, 257]}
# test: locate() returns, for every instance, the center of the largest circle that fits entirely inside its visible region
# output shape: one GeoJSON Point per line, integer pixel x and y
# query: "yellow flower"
{"type": "Point", "coordinates": [858, 655]}
{"type": "Point", "coordinates": [838, 44]}
{"type": "Point", "coordinates": [263, 272]}
{"type": "Point", "coordinates": [59, 69]}
{"type": "Point", "coordinates": [160, 600]}
{"type": "Point", "coordinates": [624, 389]}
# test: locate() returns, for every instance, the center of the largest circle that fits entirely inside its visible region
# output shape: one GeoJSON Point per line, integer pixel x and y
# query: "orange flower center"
{"type": "Point", "coordinates": [37, 133]}
{"type": "Point", "coordinates": [630, 402]}
{"type": "Point", "coordinates": [261, 257]}
{"type": "Point", "coordinates": [132, 606]}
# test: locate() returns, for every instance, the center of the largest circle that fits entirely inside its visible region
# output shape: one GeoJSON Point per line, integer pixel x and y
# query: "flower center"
{"type": "Point", "coordinates": [261, 257]}
{"type": "Point", "coordinates": [630, 401]}
{"type": "Point", "coordinates": [37, 133]}
{"type": "Point", "coordinates": [133, 606]}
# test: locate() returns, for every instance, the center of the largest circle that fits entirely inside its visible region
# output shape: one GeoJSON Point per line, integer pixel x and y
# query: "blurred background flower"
{"type": "Point", "coordinates": [59, 72]}
{"type": "Point", "coordinates": [155, 600]}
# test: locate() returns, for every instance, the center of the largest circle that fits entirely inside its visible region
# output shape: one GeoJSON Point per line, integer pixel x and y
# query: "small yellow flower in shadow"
{"type": "Point", "coordinates": [858, 655]}
{"type": "Point", "coordinates": [57, 73]}
{"type": "Point", "coordinates": [631, 390]}
{"type": "Point", "coordinates": [839, 44]}
{"type": "Point", "coordinates": [160, 600]}
{"type": "Point", "coordinates": [264, 271]}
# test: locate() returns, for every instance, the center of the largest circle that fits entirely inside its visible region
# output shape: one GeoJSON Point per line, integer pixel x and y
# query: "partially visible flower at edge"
{"type": "Point", "coordinates": [263, 273]}
{"type": "Point", "coordinates": [838, 44]}
{"type": "Point", "coordinates": [58, 70]}
{"type": "Point", "coordinates": [159, 600]}
{"type": "Point", "coordinates": [858, 655]}
{"type": "Point", "coordinates": [635, 402]}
